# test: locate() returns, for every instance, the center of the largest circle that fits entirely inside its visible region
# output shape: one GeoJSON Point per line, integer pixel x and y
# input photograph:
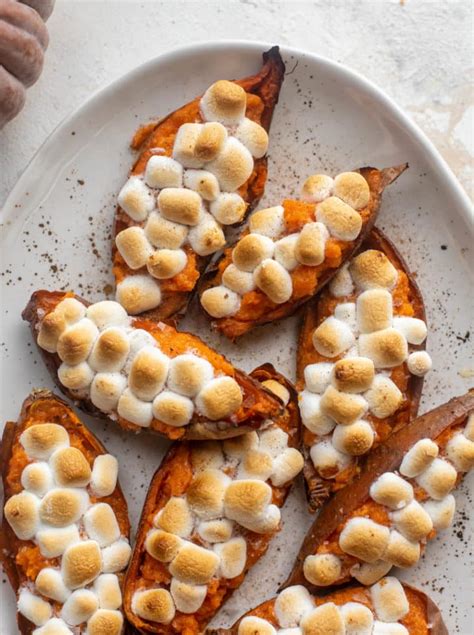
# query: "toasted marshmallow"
{"type": "Point", "coordinates": [460, 451]}
{"type": "Point", "coordinates": [75, 377]}
{"type": "Point", "coordinates": [353, 374]}
{"type": "Point", "coordinates": [228, 208]}
{"type": "Point", "coordinates": [266, 523]}
{"type": "Point", "coordinates": [364, 539]}
{"type": "Point", "coordinates": [106, 389]}
{"type": "Point", "coordinates": [224, 102]}
{"type": "Point", "coordinates": [268, 222]}
{"type": "Point", "coordinates": [346, 312]}
{"type": "Point", "coordinates": [419, 363]}
{"type": "Point", "coordinates": [53, 541]}
{"type": "Point", "coordinates": [253, 136]}
{"type": "Point", "coordinates": [374, 310]}
{"type": "Point", "coordinates": [441, 512]}
{"type": "Point", "coordinates": [255, 464]}
{"type": "Point", "coordinates": [312, 416]}
{"type": "Point", "coordinates": [207, 237]}
{"type": "Point", "coordinates": [237, 447]}
{"type": "Point", "coordinates": [79, 607]}
{"type": "Point", "coordinates": [71, 310]}
{"type": "Point", "coordinates": [50, 583]}
{"type": "Point", "coordinates": [163, 233]}
{"type": "Point", "coordinates": [233, 556]}
{"type": "Point", "coordinates": [291, 604]}
{"type": "Point", "coordinates": [391, 490]}
{"type": "Point", "coordinates": [107, 313]}
{"type": "Point", "coordinates": [134, 247]}
{"type": "Point", "coordinates": [368, 573]}
{"type": "Point", "coordinates": [52, 326]}
{"type": "Point", "coordinates": [372, 269]}
{"type": "Point", "coordinates": [202, 182]}
{"type": "Point", "coordinates": [176, 517]}
{"type": "Point", "coordinates": [70, 468]}
{"type": "Point", "coordinates": [273, 440]}
{"type": "Point", "coordinates": [438, 479]}
{"type": "Point", "coordinates": [233, 166]}
{"type": "Point", "coordinates": [353, 189]}
{"type": "Point", "coordinates": [105, 621]}
{"type": "Point", "coordinates": [188, 374]}
{"type": "Point", "coordinates": [205, 494]}
{"type": "Point", "coordinates": [22, 513]}
{"type": "Point", "coordinates": [166, 263]}
{"type": "Point", "coordinates": [413, 521]}
{"type": "Point", "coordinates": [251, 250]}
{"type": "Point", "coordinates": [63, 506]}
{"type": "Point", "coordinates": [251, 625]}
{"type": "Point", "coordinates": [324, 619]}
{"type": "Point", "coordinates": [322, 569]}
{"type": "Point", "coordinates": [135, 410]}
{"type": "Point", "coordinates": [162, 545]}
{"type": "Point", "coordinates": [341, 285]}
{"type": "Point", "coordinates": [115, 558]}
{"type": "Point", "coordinates": [81, 563]}
{"type": "Point", "coordinates": [274, 280]}
{"type": "Point", "coordinates": [386, 348]}
{"type": "Point", "coordinates": [136, 199]}
{"type": "Point", "coordinates": [358, 619]}
{"type": "Point", "coordinates": [54, 626]}
{"type": "Point", "coordinates": [101, 524]}
{"type": "Point", "coordinates": [188, 598]}
{"type": "Point", "coordinates": [400, 551]}
{"type": "Point", "coordinates": [332, 337]}
{"type": "Point", "coordinates": [37, 478]}
{"type": "Point", "coordinates": [180, 205]}
{"type": "Point", "coordinates": [207, 455]}
{"type": "Point", "coordinates": [341, 220]}
{"type": "Point", "coordinates": [138, 294]}
{"type": "Point", "coordinates": [163, 172]}
{"type": "Point", "coordinates": [316, 188]}
{"type": "Point", "coordinates": [285, 251]}
{"type": "Point", "coordinates": [246, 500]}
{"type": "Point", "coordinates": [220, 398]}
{"type": "Point", "coordinates": [194, 564]}
{"type": "Point", "coordinates": [277, 389]}
{"type": "Point", "coordinates": [148, 372]}
{"type": "Point", "coordinates": [311, 243]}
{"type": "Point", "coordinates": [384, 397]}
{"type": "Point", "coordinates": [155, 605]}
{"type": "Point", "coordinates": [419, 457]}
{"type": "Point", "coordinates": [220, 301]}
{"type": "Point", "coordinates": [184, 148]}
{"type": "Point", "coordinates": [235, 279]}
{"type": "Point", "coordinates": [286, 467]}
{"type": "Point", "coordinates": [107, 588]}
{"type": "Point", "coordinates": [383, 628]}
{"type": "Point", "coordinates": [413, 329]}
{"type": "Point", "coordinates": [138, 339]}
{"type": "Point", "coordinates": [317, 376]}
{"type": "Point", "coordinates": [344, 408]}
{"type": "Point", "coordinates": [389, 600]}
{"type": "Point", "coordinates": [173, 409]}
{"type": "Point", "coordinates": [215, 530]}
{"type": "Point", "coordinates": [210, 141]}
{"type": "Point", "coordinates": [354, 439]}
{"type": "Point", "coordinates": [75, 343]}
{"type": "Point", "coordinates": [104, 475]}
{"type": "Point", "coordinates": [327, 460]}
{"type": "Point", "coordinates": [33, 608]}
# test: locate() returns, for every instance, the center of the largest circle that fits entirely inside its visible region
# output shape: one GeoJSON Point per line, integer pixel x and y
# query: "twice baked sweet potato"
{"type": "Point", "coordinates": [386, 607]}
{"type": "Point", "coordinates": [288, 253]}
{"type": "Point", "coordinates": [209, 515]}
{"type": "Point", "coordinates": [143, 374]}
{"type": "Point", "coordinates": [161, 247]}
{"type": "Point", "coordinates": [65, 528]}
{"type": "Point", "coordinates": [334, 377]}
{"type": "Point", "coordinates": [400, 500]}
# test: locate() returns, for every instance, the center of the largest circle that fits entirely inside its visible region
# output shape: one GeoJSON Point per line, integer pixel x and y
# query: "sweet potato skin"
{"type": "Point", "coordinates": [386, 458]}
{"type": "Point", "coordinates": [172, 478]}
{"type": "Point", "coordinates": [35, 408]}
{"type": "Point", "coordinates": [263, 90]}
{"type": "Point", "coordinates": [258, 404]}
{"type": "Point", "coordinates": [318, 489]}
{"type": "Point", "coordinates": [234, 327]}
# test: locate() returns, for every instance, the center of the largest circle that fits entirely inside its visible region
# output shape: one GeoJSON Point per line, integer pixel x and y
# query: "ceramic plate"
{"type": "Point", "coordinates": [56, 234]}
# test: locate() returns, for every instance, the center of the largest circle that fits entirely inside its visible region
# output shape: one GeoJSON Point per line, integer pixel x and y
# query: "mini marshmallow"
{"type": "Point", "coordinates": [163, 172]}
{"type": "Point", "coordinates": [246, 500]}
{"type": "Point", "coordinates": [116, 556]}
{"type": "Point", "coordinates": [101, 524]}
{"type": "Point", "coordinates": [253, 136]}
{"type": "Point", "coordinates": [286, 467]}
{"type": "Point", "coordinates": [251, 625]}
{"type": "Point", "coordinates": [346, 312]}
{"type": "Point", "coordinates": [215, 530]}
{"type": "Point", "coordinates": [107, 588]}
{"type": "Point", "coordinates": [220, 398]}
{"type": "Point", "coordinates": [104, 475]}
{"type": "Point", "coordinates": [389, 600]}
{"type": "Point", "coordinates": [413, 329]}
{"type": "Point", "coordinates": [328, 461]}
{"type": "Point", "coordinates": [207, 454]}
{"type": "Point", "coordinates": [235, 279]}
{"type": "Point", "coordinates": [76, 377]}
{"type": "Point", "coordinates": [205, 494]}
{"type": "Point", "coordinates": [438, 479]}
{"type": "Point", "coordinates": [372, 269]}
{"type": "Point", "coordinates": [163, 233]}
{"type": "Point", "coordinates": [220, 301]}
{"type": "Point", "coordinates": [316, 188]}
{"type": "Point", "coordinates": [37, 478]}
{"type": "Point", "coordinates": [184, 148]}
{"type": "Point", "coordinates": [367, 573]}
{"type": "Point", "coordinates": [317, 376]}
{"type": "Point", "coordinates": [210, 141]}
{"type": "Point", "coordinates": [155, 605]}
{"type": "Point", "coordinates": [188, 598]}
{"type": "Point", "coordinates": [207, 237]}
{"type": "Point", "coordinates": [79, 607]}
{"type": "Point", "coordinates": [110, 350]}
{"type": "Point", "coordinates": [173, 409]}
{"type": "Point", "coordinates": [75, 343]}
{"type": "Point", "coordinates": [136, 199]}
{"type": "Point", "coordinates": [469, 428]}
{"type": "Point", "coordinates": [332, 337]}
{"type": "Point", "coordinates": [374, 310]}
{"type": "Point", "coordinates": [441, 512]}
{"type": "Point", "coordinates": [277, 389]}
{"type": "Point", "coordinates": [53, 541]}
{"type": "Point", "coordinates": [233, 166]}
{"type": "Point", "coordinates": [322, 569]}
{"type": "Point", "coordinates": [412, 521]}
{"type": "Point", "coordinates": [164, 264]}
{"type": "Point", "coordinates": [50, 583]}
{"type": "Point", "coordinates": [71, 310]}
{"type": "Point", "coordinates": [460, 451]}
{"type": "Point", "coordinates": [237, 447]}
{"type": "Point", "coordinates": [52, 326]}
{"type": "Point", "coordinates": [176, 517]}
{"type": "Point", "coordinates": [202, 182]}
{"type": "Point", "coordinates": [255, 464]}
{"type": "Point", "coordinates": [134, 247]}
{"type": "Point", "coordinates": [285, 251]}
{"type": "Point", "coordinates": [106, 389]}
{"type": "Point", "coordinates": [419, 363]}
{"type": "Point", "coordinates": [325, 618]}
{"type": "Point", "coordinates": [341, 285]}
{"type": "Point", "coordinates": [224, 102]}
{"type": "Point", "coordinates": [148, 372]}
{"type": "Point", "coordinates": [353, 374]}
{"type": "Point", "coordinates": [63, 506]}
{"type": "Point", "coordinates": [135, 410]}
{"type": "Point", "coordinates": [162, 545]}
{"type": "Point", "coordinates": [54, 626]}
{"type": "Point", "coordinates": [384, 397]}
{"type": "Point", "coordinates": [311, 414]}
{"type": "Point", "coordinates": [194, 564]}
{"type": "Point", "coordinates": [266, 523]}
{"type": "Point", "coordinates": [341, 220]}
{"type": "Point", "coordinates": [81, 564]}
{"type": "Point", "coordinates": [33, 607]}
{"type": "Point", "coordinates": [107, 313]}
{"type": "Point", "coordinates": [228, 208]}
{"type": "Point", "coordinates": [268, 222]}
{"type": "Point", "coordinates": [353, 189]}
{"type": "Point", "coordinates": [274, 280]}
{"type": "Point", "coordinates": [383, 628]}
{"type": "Point", "coordinates": [364, 539]}
{"type": "Point", "coordinates": [358, 618]}
{"type": "Point", "coordinates": [400, 551]}
{"type": "Point", "coordinates": [292, 604]}
{"type": "Point", "coordinates": [180, 205]}
{"type": "Point", "coordinates": [311, 243]}
{"type": "Point", "coordinates": [344, 408]}
{"type": "Point", "coordinates": [251, 250]}
{"type": "Point", "coordinates": [105, 621]}
{"type": "Point", "coordinates": [419, 457]}
{"type": "Point", "coordinates": [138, 294]}
{"type": "Point", "coordinates": [387, 348]}
{"type": "Point", "coordinates": [233, 556]}
{"type": "Point", "coordinates": [391, 490]}
{"type": "Point", "coordinates": [354, 439]}
{"type": "Point", "coordinates": [70, 468]}
{"type": "Point", "coordinates": [138, 339]}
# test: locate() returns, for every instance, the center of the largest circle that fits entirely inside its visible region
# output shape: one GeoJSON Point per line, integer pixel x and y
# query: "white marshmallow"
{"type": "Point", "coordinates": [110, 350]}
{"type": "Point", "coordinates": [342, 285]}
{"type": "Point", "coordinates": [135, 410]}
{"type": "Point", "coordinates": [418, 457]}
{"type": "Point", "coordinates": [54, 626]}
{"type": "Point", "coordinates": [235, 279]}
{"type": "Point", "coordinates": [37, 478]}
{"type": "Point", "coordinates": [188, 598]}
{"type": "Point", "coordinates": [383, 628]}
{"type": "Point", "coordinates": [33, 607]}
{"type": "Point", "coordinates": [419, 363]}
{"type": "Point", "coordinates": [438, 479]}
{"type": "Point", "coordinates": [75, 343]}
{"type": "Point", "coordinates": [317, 377]}
{"type": "Point", "coordinates": [228, 208]}
{"type": "Point", "coordinates": [460, 451]}
{"type": "Point", "coordinates": [185, 143]}
{"type": "Point", "coordinates": [389, 600]}
{"type": "Point", "coordinates": [138, 339]}
{"type": "Point", "coordinates": [441, 512]}
{"type": "Point", "coordinates": [79, 607]}
{"type": "Point", "coordinates": [220, 301]}
{"type": "Point", "coordinates": [232, 555]}
{"type": "Point", "coordinates": [341, 220]}
{"type": "Point", "coordinates": [311, 414]}
{"type": "Point", "coordinates": [107, 313]}
{"type": "Point", "coordinates": [354, 439]}
{"type": "Point", "coordinates": [105, 619]}
{"type": "Point", "coordinates": [40, 442]}
{"type": "Point", "coordinates": [115, 557]}
{"type": "Point", "coordinates": [384, 397]}
{"type": "Point", "coordinates": [332, 337]}
{"type": "Point", "coordinates": [358, 619]}
{"type": "Point", "coordinates": [49, 582]}
{"type": "Point", "coordinates": [391, 490]}
{"type": "Point", "coordinates": [232, 166]}
{"type": "Point", "coordinates": [374, 310]}
{"type": "Point", "coordinates": [148, 372]}
{"type": "Point", "coordinates": [346, 312]}
{"type": "Point", "coordinates": [22, 512]}
{"type": "Point", "coordinates": [292, 604]}
{"type": "Point", "coordinates": [101, 524]}
{"type": "Point", "coordinates": [106, 389]}
{"type": "Point", "coordinates": [207, 236]}
{"type": "Point", "coordinates": [138, 294]}
{"type": "Point", "coordinates": [274, 440]}
{"type": "Point", "coordinates": [173, 409]}
{"type": "Point", "coordinates": [286, 466]}
{"type": "Point", "coordinates": [322, 569]}
{"type": "Point", "coordinates": [250, 625]}
{"type": "Point", "coordinates": [163, 233]}
{"type": "Point", "coordinates": [253, 136]}
{"type": "Point", "coordinates": [327, 460]}
{"type": "Point", "coordinates": [285, 252]}
{"type": "Point", "coordinates": [53, 541]}
{"type": "Point", "coordinates": [311, 245]}
{"type": "Point", "coordinates": [108, 591]}
{"type": "Point", "coordinates": [274, 280]}
{"type": "Point", "coordinates": [413, 329]}
{"type": "Point", "coordinates": [251, 250]}
{"type": "Point", "coordinates": [268, 222]}
{"type": "Point", "coordinates": [104, 475]}
{"type": "Point", "coordinates": [136, 199]}
{"type": "Point", "coordinates": [266, 523]}
{"type": "Point", "coordinates": [316, 188]}
{"type": "Point", "coordinates": [134, 247]}
{"type": "Point", "coordinates": [326, 616]}
{"type": "Point", "coordinates": [203, 182]}
{"type": "Point", "coordinates": [75, 377]}
{"type": "Point", "coordinates": [215, 530]}
{"type": "Point", "coordinates": [225, 102]}
{"type": "Point", "coordinates": [163, 171]}
{"type": "Point", "coordinates": [164, 264]}
{"type": "Point", "coordinates": [369, 572]}
{"type": "Point", "coordinates": [412, 521]}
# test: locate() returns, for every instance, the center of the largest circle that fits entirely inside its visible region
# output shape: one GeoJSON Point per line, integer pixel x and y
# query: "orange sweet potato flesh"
{"type": "Point", "coordinates": [423, 617]}
{"type": "Point", "coordinates": [256, 308]}
{"type": "Point", "coordinates": [354, 499]}
{"type": "Point", "coordinates": [172, 479]}
{"type": "Point", "coordinates": [258, 404]}
{"type": "Point", "coordinates": [407, 301]}
{"type": "Point", "coordinates": [262, 91]}
{"type": "Point", "coordinates": [21, 559]}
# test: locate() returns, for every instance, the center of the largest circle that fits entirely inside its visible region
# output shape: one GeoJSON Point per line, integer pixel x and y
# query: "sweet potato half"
{"type": "Point", "coordinates": [441, 445]}
{"type": "Point", "coordinates": [262, 90]}
{"type": "Point", "coordinates": [257, 403]}
{"type": "Point", "coordinates": [423, 616]}
{"type": "Point", "coordinates": [22, 560]}
{"type": "Point", "coordinates": [256, 308]}
{"type": "Point", "coordinates": [174, 478]}
{"type": "Point", "coordinates": [407, 300]}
